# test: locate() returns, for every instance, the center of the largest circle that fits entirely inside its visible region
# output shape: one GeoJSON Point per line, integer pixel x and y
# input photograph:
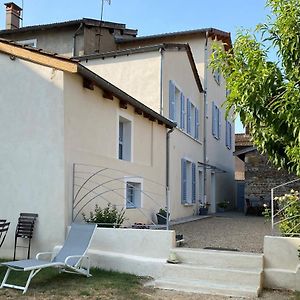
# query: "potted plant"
{"type": "Point", "coordinates": [203, 209]}
{"type": "Point", "coordinates": [161, 217]}
{"type": "Point", "coordinates": [222, 206]}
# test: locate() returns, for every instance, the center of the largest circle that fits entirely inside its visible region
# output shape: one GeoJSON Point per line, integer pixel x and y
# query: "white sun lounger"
{"type": "Point", "coordinates": [71, 258]}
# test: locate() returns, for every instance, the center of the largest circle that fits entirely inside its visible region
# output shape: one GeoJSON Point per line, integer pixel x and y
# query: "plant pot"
{"type": "Point", "coordinates": [161, 220]}
{"type": "Point", "coordinates": [203, 211]}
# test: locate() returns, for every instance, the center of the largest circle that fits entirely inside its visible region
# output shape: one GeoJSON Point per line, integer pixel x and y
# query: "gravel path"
{"type": "Point", "coordinates": [228, 230]}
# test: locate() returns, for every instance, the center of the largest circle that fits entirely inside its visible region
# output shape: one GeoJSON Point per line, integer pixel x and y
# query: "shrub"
{"type": "Point", "coordinates": [106, 217]}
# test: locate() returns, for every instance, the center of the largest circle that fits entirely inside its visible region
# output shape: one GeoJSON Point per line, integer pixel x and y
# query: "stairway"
{"type": "Point", "coordinates": [216, 272]}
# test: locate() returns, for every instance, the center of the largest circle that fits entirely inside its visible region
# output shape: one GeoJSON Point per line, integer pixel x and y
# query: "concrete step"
{"type": "Point", "coordinates": [220, 259]}
{"type": "Point", "coordinates": [215, 275]}
{"type": "Point", "coordinates": [206, 287]}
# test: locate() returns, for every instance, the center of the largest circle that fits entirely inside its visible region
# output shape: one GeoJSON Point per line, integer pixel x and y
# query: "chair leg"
{"type": "Point", "coordinates": [31, 275]}
{"type": "Point", "coordinates": [5, 278]}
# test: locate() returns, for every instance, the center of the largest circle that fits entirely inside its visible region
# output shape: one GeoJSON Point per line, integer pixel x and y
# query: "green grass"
{"type": "Point", "coordinates": [50, 284]}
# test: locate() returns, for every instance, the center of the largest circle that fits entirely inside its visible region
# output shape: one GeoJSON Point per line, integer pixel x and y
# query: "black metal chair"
{"type": "Point", "coordinates": [24, 230]}
{"type": "Point", "coordinates": [3, 230]}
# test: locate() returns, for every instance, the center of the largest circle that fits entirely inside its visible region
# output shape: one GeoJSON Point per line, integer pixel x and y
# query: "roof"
{"type": "Point", "coordinates": [212, 32]}
{"type": "Point", "coordinates": [71, 23]}
{"type": "Point", "coordinates": [163, 46]}
{"type": "Point", "coordinates": [242, 140]}
{"type": "Point", "coordinates": [73, 66]}
{"type": "Point", "coordinates": [241, 153]}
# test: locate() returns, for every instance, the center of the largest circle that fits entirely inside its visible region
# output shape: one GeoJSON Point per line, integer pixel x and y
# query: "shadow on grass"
{"type": "Point", "coordinates": [50, 284]}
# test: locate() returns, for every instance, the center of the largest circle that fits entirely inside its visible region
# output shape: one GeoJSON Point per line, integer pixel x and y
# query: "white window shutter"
{"type": "Point", "coordinates": [182, 112]}
{"type": "Point", "coordinates": [183, 181]}
{"type": "Point", "coordinates": [171, 101]}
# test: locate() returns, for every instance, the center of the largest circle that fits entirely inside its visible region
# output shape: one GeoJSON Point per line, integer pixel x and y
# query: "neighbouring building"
{"type": "Point", "coordinates": [68, 137]}
{"type": "Point", "coordinates": [259, 174]}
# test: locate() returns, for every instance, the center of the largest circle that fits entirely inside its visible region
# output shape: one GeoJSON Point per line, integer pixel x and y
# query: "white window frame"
{"type": "Point", "coordinates": [31, 42]}
{"type": "Point", "coordinates": [129, 119]}
{"type": "Point", "coordinates": [137, 180]}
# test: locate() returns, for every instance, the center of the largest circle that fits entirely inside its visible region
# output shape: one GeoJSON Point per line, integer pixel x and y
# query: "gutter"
{"type": "Point", "coordinates": [168, 176]}
{"type": "Point", "coordinates": [107, 86]}
{"type": "Point", "coordinates": [161, 109]}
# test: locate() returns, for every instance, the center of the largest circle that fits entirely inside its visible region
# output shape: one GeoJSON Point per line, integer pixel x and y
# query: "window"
{"type": "Point", "coordinates": [217, 73]}
{"type": "Point", "coordinates": [31, 43]}
{"type": "Point", "coordinates": [133, 193]}
{"type": "Point", "coordinates": [124, 150]}
{"type": "Point", "coordinates": [228, 135]}
{"type": "Point", "coordinates": [216, 121]}
{"type": "Point", "coordinates": [176, 105]}
{"type": "Point", "coordinates": [188, 182]}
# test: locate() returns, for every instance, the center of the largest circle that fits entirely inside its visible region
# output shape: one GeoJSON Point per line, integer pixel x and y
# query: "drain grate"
{"type": "Point", "coordinates": [221, 249]}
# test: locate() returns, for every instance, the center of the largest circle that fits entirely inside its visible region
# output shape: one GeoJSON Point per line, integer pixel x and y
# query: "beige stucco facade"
{"type": "Point", "coordinates": [146, 76]}
{"type": "Point", "coordinates": [219, 186]}
{"type": "Point", "coordinates": [49, 122]}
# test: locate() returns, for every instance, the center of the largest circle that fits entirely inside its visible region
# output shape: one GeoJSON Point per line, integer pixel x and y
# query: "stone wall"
{"type": "Point", "coordinates": [261, 176]}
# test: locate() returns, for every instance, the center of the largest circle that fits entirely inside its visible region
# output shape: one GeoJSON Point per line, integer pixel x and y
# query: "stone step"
{"type": "Point", "coordinates": [206, 287]}
{"type": "Point", "coordinates": [220, 259]}
{"type": "Point", "coordinates": [212, 274]}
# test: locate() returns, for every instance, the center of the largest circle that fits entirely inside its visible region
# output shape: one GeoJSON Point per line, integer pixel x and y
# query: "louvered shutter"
{"type": "Point", "coordinates": [193, 183]}
{"type": "Point", "coordinates": [182, 111]}
{"type": "Point", "coordinates": [171, 100]}
{"type": "Point", "coordinates": [219, 124]}
{"type": "Point", "coordinates": [188, 125]}
{"type": "Point", "coordinates": [183, 181]}
{"type": "Point", "coordinates": [196, 123]}
{"type": "Point", "coordinates": [213, 112]}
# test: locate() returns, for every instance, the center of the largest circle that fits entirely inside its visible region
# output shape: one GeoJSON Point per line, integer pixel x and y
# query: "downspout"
{"type": "Point", "coordinates": [161, 51]}
{"type": "Point", "coordinates": [74, 39]}
{"type": "Point", "coordinates": [168, 176]}
{"type": "Point", "coordinates": [205, 117]}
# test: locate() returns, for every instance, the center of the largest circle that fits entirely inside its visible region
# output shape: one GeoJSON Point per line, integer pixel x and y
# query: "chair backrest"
{"type": "Point", "coordinates": [76, 243]}
{"type": "Point", "coordinates": [25, 225]}
{"type": "Point", "coordinates": [3, 230]}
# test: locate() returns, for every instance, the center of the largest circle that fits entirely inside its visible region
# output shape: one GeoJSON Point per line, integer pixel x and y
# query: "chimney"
{"type": "Point", "coordinates": [13, 15]}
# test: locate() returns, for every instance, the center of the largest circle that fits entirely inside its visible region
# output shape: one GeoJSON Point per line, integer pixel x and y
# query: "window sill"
{"type": "Point", "coordinates": [189, 204]}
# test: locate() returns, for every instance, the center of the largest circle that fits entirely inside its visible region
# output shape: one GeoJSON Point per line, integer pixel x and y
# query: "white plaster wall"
{"type": "Point", "coordinates": [91, 124]}
{"type": "Point", "coordinates": [281, 263]}
{"type": "Point", "coordinates": [137, 74]}
{"type": "Point", "coordinates": [32, 151]}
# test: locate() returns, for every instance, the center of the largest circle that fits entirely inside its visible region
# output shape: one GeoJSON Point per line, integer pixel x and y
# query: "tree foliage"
{"type": "Point", "coordinates": [266, 94]}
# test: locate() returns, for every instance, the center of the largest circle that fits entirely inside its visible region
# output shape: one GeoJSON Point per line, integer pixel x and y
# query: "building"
{"type": "Point", "coordinates": [62, 128]}
{"type": "Point", "coordinates": [170, 74]}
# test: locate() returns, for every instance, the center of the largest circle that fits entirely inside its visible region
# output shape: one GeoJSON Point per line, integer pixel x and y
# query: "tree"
{"type": "Point", "coordinates": [266, 94]}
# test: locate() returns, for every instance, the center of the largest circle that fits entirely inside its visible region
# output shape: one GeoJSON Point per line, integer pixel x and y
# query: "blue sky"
{"type": "Point", "coordinates": [149, 16]}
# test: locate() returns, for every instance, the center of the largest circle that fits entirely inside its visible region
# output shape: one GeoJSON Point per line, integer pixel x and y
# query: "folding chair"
{"type": "Point", "coordinates": [70, 258]}
{"type": "Point", "coordinates": [3, 230]}
{"type": "Point", "coordinates": [24, 230]}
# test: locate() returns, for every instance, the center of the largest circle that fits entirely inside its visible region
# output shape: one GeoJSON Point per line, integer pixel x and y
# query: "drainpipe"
{"type": "Point", "coordinates": [74, 39]}
{"type": "Point", "coordinates": [205, 116]}
{"type": "Point", "coordinates": [161, 51]}
{"type": "Point", "coordinates": [167, 176]}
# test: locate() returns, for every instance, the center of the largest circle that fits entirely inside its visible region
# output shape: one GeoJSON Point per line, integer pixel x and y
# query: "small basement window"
{"type": "Point", "coordinates": [133, 194]}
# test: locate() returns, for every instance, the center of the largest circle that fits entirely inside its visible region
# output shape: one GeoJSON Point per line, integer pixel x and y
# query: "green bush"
{"type": "Point", "coordinates": [106, 217]}
{"type": "Point", "coordinates": [289, 213]}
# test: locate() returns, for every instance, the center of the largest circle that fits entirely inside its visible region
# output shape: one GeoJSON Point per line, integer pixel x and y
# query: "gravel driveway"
{"type": "Point", "coordinates": [230, 230]}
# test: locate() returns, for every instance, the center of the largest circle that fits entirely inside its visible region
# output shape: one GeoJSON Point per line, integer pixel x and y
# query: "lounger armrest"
{"type": "Point", "coordinates": [44, 254]}
{"type": "Point", "coordinates": [75, 256]}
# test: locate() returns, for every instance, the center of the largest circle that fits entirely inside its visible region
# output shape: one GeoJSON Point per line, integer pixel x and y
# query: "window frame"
{"type": "Point", "coordinates": [127, 119]}
{"type": "Point", "coordinates": [133, 180]}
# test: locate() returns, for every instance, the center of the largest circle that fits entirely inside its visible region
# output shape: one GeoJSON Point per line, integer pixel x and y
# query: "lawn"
{"type": "Point", "coordinates": [49, 284]}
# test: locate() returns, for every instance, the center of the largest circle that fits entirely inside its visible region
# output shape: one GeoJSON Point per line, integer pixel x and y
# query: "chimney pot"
{"type": "Point", "coordinates": [13, 15]}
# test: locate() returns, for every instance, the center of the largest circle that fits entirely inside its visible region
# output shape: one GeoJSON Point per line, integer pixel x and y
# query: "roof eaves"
{"type": "Point", "coordinates": [118, 93]}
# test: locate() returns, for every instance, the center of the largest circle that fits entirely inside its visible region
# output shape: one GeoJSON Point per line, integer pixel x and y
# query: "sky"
{"type": "Point", "coordinates": [149, 16]}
